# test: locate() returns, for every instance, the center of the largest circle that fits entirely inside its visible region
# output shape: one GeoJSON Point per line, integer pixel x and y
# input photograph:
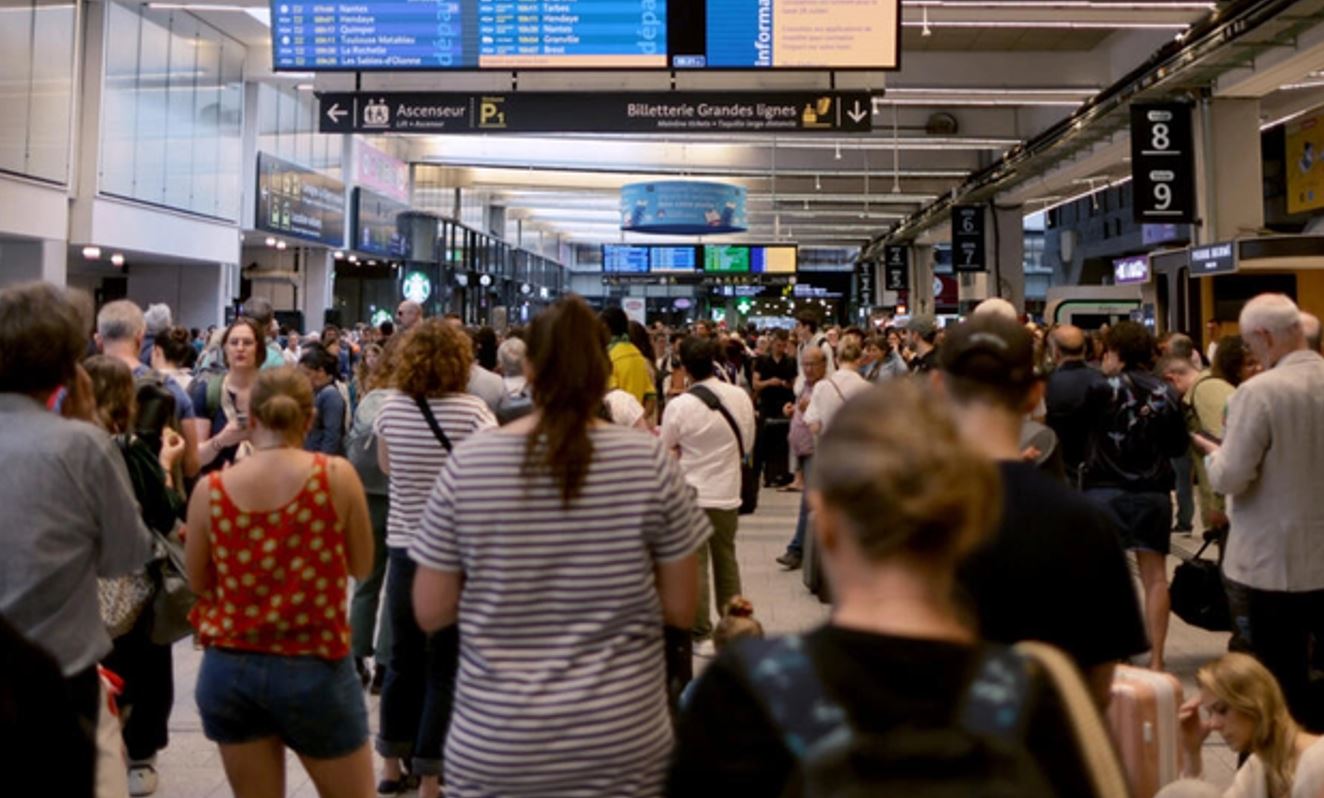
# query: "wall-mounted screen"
{"type": "Point", "coordinates": [377, 225]}
{"type": "Point", "coordinates": [726, 260]}
{"type": "Point", "coordinates": [624, 258]}
{"type": "Point", "coordinates": [673, 259]}
{"type": "Point", "coordinates": [1131, 270]}
{"type": "Point", "coordinates": [585, 34]}
{"type": "Point", "coordinates": [299, 202]}
{"type": "Point", "coordinates": [772, 259]}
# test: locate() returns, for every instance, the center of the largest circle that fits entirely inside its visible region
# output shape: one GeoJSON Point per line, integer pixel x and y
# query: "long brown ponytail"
{"type": "Point", "coordinates": [567, 349]}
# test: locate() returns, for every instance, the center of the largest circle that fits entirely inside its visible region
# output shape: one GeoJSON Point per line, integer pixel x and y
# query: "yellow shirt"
{"type": "Point", "coordinates": [629, 371]}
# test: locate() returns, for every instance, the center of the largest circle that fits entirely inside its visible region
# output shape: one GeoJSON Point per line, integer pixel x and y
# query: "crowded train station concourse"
{"type": "Point", "coordinates": [682, 398]}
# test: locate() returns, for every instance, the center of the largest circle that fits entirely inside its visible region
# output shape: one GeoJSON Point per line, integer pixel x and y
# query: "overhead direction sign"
{"type": "Point", "coordinates": [597, 112]}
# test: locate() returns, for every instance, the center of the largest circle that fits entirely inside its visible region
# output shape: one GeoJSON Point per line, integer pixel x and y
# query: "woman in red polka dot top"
{"type": "Point", "coordinates": [272, 543]}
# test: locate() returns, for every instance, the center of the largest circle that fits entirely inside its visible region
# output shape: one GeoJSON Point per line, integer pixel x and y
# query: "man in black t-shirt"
{"type": "Point", "coordinates": [1055, 570]}
{"type": "Point", "coordinates": [774, 378]}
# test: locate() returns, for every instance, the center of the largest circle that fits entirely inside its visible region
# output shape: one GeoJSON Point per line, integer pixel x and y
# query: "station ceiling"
{"type": "Point", "coordinates": [1003, 71]}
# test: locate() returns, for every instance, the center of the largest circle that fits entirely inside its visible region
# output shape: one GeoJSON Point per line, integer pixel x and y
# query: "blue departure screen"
{"type": "Point", "coordinates": [585, 34]}
{"type": "Point", "coordinates": [673, 259]}
{"type": "Point", "coordinates": [624, 258]}
{"type": "Point", "coordinates": [469, 34]}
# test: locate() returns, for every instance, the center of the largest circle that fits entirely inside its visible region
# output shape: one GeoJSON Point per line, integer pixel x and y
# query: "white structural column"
{"type": "Point", "coordinates": [22, 261]}
{"type": "Point", "coordinates": [1228, 169]}
{"type": "Point", "coordinates": [317, 289]}
{"type": "Point", "coordinates": [921, 280]}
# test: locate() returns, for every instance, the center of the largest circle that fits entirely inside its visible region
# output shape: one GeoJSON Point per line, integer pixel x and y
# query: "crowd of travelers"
{"type": "Point", "coordinates": [522, 540]}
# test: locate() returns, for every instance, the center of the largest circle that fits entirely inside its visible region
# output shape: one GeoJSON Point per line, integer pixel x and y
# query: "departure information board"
{"type": "Point", "coordinates": [673, 259]}
{"type": "Point", "coordinates": [624, 258]}
{"type": "Point", "coordinates": [725, 259]}
{"type": "Point", "coordinates": [585, 34]}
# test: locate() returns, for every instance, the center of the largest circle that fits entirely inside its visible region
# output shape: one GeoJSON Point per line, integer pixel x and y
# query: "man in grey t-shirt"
{"type": "Point", "coordinates": [66, 492]}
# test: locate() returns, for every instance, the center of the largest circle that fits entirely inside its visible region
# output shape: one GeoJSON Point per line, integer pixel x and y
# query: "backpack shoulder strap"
{"type": "Point", "coordinates": [995, 701]}
{"type": "Point", "coordinates": [705, 395]}
{"type": "Point", "coordinates": [426, 410]}
{"type": "Point", "coordinates": [215, 384]}
{"type": "Point", "coordinates": [788, 688]}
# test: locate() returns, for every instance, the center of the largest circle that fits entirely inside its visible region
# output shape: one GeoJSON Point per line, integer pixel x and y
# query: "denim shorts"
{"type": "Point", "coordinates": [315, 706]}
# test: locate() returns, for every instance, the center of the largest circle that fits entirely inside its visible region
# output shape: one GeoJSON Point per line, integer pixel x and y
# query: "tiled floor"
{"type": "Point", "coordinates": [191, 766]}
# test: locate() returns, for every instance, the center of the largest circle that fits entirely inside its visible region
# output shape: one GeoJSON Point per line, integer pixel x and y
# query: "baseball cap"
{"type": "Point", "coordinates": [924, 325]}
{"type": "Point", "coordinates": [989, 349]}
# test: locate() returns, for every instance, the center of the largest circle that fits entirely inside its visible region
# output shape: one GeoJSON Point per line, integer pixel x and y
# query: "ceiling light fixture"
{"type": "Point", "coordinates": [92, 253]}
{"type": "Point", "coordinates": [838, 156]}
{"type": "Point", "coordinates": [281, 245]}
{"type": "Point", "coordinates": [927, 31]}
{"type": "Point", "coordinates": [271, 242]}
{"type": "Point", "coordinates": [117, 260]}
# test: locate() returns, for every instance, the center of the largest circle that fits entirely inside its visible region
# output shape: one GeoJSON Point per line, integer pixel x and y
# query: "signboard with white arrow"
{"type": "Point", "coordinates": [597, 112]}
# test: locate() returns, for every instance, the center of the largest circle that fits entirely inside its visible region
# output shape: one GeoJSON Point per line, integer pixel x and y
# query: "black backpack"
{"type": "Point", "coordinates": [982, 755]}
{"type": "Point", "coordinates": [156, 408]}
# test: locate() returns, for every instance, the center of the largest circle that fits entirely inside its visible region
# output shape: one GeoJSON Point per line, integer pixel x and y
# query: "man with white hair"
{"type": "Point", "coordinates": [158, 320]}
{"type": "Point", "coordinates": [1269, 465]}
{"type": "Point", "coordinates": [997, 306]}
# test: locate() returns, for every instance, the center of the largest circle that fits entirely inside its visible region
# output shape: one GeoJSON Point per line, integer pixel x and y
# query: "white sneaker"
{"type": "Point", "coordinates": [142, 779]}
{"type": "Point", "coordinates": [705, 649]}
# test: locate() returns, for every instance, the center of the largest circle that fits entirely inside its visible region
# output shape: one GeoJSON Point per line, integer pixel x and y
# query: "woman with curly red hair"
{"type": "Point", "coordinates": [426, 414]}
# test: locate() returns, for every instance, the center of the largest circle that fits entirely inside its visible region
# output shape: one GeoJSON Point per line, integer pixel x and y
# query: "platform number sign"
{"type": "Point", "coordinates": [1162, 163]}
{"type": "Point", "coordinates": [896, 267]}
{"type": "Point", "coordinates": [968, 238]}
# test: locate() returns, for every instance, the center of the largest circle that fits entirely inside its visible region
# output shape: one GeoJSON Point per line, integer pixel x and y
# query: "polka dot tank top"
{"type": "Point", "coordinates": [280, 575]}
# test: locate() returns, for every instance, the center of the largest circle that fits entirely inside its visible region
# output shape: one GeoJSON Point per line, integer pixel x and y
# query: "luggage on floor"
{"type": "Point", "coordinates": [1143, 720]}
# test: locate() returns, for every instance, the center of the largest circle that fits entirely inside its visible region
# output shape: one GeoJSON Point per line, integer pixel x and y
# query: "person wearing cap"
{"type": "Point", "coordinates": [1136, 427]}
{"type": "Point", "coordinates": [1054, 571]}
{"type": "Point", "coordinates": [921, 334]}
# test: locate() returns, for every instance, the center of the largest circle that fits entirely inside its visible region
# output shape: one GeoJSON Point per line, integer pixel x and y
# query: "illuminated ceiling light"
{"type": "Point", "coordinates": [338, 255]}
{"type": "Point", "coordinates": [838, 156]}
{"type": "Point", "coordinates": [271, 242]}
{"type": "Point", "coordinates": [927, 31]}
{"type": "Point", "coordinates": [353, 258]}
{"type": "Point", "coordinates": [117, 260]}
{"type": "Point", "coordinates": [304, 87]}
{"type": "Point", "coordinates": [818, 183]}
{"type": "Point", "coordinates": [92, 253]}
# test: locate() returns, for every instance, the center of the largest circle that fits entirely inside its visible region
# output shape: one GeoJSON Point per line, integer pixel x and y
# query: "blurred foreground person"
{"type": "Point", "coordinates": [890, 696]}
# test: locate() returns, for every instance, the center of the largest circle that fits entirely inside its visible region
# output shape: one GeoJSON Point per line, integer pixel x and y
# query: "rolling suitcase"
{"type": "Point", "coordinates": [1143, 720]}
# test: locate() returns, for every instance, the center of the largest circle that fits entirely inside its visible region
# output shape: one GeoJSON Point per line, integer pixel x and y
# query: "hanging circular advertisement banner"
{"type": "Point", "coordinates": [417, 287]}
{"type": "Point", "coordinates": [683, 207]}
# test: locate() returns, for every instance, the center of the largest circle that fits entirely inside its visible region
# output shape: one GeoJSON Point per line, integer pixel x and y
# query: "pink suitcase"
{"type": "Point", "coordinates": [1143, 721]}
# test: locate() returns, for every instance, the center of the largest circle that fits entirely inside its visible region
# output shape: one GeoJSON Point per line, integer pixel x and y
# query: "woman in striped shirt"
{"type": "Point", "coordinates": [416, 428]}
{"type": "Point", "coordinates": [563, 544]}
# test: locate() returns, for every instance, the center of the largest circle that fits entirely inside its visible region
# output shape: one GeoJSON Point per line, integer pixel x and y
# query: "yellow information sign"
{"type": "Point", "coordinates": [1305, 164]}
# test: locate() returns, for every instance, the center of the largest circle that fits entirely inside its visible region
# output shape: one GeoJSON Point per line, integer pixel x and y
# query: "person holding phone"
{"type": "Point", "coordinates": [222, 398]}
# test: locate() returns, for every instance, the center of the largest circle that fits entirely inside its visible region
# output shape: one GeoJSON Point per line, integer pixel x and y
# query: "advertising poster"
{"type": "Point", "coordinates": [1305, 172]}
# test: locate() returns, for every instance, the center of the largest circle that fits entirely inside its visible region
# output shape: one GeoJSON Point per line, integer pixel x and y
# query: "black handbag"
{"type": "Point", "coordinates": [749, 484]}
{"type": "Point", "coordinates": [1198, 595]}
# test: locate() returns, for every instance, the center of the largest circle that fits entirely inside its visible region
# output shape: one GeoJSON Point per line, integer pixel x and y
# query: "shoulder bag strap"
{"type": "Point", "coordinates": [426, 410]}
{"type": "Point", "coordinates": [709, 398]}
{"type": "Point", "coordinates": [836, 388]}
{"type": "Point", "coordinates": [1092, 739]}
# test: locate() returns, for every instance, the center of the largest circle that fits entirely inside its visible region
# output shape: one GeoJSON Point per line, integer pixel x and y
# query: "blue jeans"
{"type": "Point", "coordinates": [1185, 490]}
{"type": "Point", "coordinates": [419, 689]}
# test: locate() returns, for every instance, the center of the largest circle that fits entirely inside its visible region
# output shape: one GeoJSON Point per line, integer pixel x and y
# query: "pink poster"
{"type": "Point", "coordinates": [379, 172]}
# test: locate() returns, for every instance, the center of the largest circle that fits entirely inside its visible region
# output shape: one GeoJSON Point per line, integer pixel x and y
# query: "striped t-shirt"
{"type": "Point", "coordinates": [416, 457]}
{"type": "Point", "coordinates": [561, 684]}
